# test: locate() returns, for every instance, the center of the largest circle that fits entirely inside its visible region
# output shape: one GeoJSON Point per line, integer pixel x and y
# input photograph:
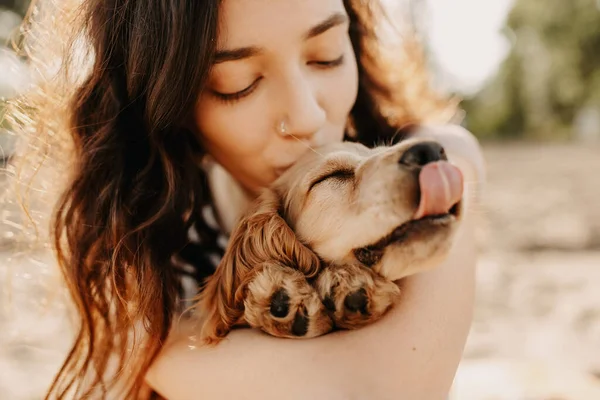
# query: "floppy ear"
{"type": "Point", "coordinates": [261, 236]}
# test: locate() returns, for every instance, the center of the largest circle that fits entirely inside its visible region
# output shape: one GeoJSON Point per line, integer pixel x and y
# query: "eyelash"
{"type": "Point", "coordinates": [233, 97]}
{"type": "Point", "coordinates": [342, 174]}
{"type": "Point", "coordinates": [331, 63]}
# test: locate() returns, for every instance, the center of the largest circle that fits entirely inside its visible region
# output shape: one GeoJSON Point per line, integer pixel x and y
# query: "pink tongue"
{"type": "Point", "coordinates": [441, 187]}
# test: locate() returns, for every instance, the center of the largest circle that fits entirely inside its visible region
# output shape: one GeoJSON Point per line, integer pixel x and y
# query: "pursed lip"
{"type": "Point", "coordinates": [280, 170]}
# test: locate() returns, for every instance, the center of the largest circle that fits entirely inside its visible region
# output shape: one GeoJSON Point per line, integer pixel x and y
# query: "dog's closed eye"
{"type": "Point", "coordinates": [340, 174]}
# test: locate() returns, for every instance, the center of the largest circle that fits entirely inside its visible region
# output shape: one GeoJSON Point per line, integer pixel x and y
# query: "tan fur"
{"type": "Point", "coordinates": [340, 281]}
{"type": "Point", "coordinates": [303, 242]}
{"type": "Point", "coordinates": [261, 237]}
{"type": "Point", "coordinates": [302, 295]}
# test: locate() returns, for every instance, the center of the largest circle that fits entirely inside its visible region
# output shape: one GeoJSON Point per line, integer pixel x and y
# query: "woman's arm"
{"type": "Point", "coordinates": [411, 353]}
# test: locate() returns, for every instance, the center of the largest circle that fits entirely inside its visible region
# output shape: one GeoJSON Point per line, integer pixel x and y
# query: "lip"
{"type": "Point", "coordinates": [425, 224]}
{"type": "Point", "coordinates": [281, 170]}
{"type": "Point", "coordinates": [413, 229]}
{"type": "Point", "coordinates": [419, 227]}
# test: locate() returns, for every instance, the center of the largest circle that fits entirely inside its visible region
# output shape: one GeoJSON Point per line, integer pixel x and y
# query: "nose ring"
{"type": "Point", "coordinates": [282, 128]}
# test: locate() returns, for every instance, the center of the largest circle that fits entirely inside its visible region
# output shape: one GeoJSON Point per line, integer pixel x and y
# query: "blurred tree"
{"type": "Point", "coordinates": [19, 6]}
{"type": "Point", "coordinates": [11, 14]}
{"type": "Point", "coordinates": [551, 75]}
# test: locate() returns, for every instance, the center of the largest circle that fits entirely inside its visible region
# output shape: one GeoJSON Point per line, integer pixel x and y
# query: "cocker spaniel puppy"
{"type": "Point", "coordinates": [322, 247]}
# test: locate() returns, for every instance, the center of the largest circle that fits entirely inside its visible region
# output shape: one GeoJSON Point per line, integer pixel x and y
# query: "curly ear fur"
{"type": "Point", "coordinates": [262, 236]}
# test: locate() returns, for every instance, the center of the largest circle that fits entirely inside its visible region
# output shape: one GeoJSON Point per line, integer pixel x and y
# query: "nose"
{"type": "Point", "coordinates": [423, 153]}
{"type": "Point", "coordinates": [305, 115]}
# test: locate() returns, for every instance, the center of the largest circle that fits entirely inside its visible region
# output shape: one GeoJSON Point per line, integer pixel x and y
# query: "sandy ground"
{"type": "Point", "coordinates": [536, 330]}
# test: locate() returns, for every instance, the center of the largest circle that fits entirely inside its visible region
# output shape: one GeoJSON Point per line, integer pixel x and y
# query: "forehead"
{"type": "Point", "coordinates": [342, 153]}
{"type": "Point", "coordinates": [260, 22]}
{"type": "Point", "coordinates": [339, 148]}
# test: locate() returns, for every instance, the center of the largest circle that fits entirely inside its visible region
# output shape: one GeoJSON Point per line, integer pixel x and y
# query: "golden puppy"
{"type": "Point", "coordinates": [323, 246]}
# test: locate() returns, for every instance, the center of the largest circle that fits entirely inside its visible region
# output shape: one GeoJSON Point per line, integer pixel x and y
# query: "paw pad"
{"type": "Point", "coordinates": [280, 304]}
{"type": "Point", "coordinates": [329, 303]}
{"type": "Point", "coordinates": [357, 301]}
{"type": "Point", "coordinates": [300, 325]}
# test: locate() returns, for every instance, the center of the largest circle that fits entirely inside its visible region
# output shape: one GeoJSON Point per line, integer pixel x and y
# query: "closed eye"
{"type": "Point", "coordinates": [341, 174]}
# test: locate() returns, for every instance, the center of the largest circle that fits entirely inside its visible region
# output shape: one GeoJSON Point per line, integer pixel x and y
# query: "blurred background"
{"type": "Point", "coordinates": [528, 72]}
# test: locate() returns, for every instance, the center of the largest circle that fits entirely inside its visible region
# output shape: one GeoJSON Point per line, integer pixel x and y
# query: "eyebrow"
{"type": "Point", "coordinates": [333, 21]}
{"type": "Point", "coordinates": [251, 51]}
{"type": "Point", "coordinates": [236, 54]}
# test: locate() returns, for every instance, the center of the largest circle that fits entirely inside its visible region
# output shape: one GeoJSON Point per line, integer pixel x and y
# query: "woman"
{"type": "Point", "coordinates": [187, 110]}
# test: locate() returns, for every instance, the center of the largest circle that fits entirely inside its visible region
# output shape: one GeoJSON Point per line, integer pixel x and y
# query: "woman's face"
{"type": "Point", "coordinates": [278, 60]}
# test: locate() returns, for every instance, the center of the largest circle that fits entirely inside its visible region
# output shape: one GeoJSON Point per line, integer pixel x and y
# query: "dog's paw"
{"type": "Point", "coordinates": [355, 296]}
{"type": "Point", "coordinates": [282, 303]}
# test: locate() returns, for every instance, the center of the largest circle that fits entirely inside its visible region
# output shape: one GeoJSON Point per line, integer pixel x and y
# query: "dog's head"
{"type": "Point", "coordinates": [393, 209]}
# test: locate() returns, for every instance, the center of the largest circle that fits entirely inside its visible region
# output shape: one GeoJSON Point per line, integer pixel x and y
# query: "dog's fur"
{"type": "Point", "coordinates": [322, 247]}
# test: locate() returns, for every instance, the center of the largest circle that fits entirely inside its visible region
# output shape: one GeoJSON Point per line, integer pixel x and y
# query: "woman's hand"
{"type": "Point", "coordinates": [411, 353]}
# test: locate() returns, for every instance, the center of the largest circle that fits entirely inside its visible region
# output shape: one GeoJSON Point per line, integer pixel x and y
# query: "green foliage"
{"type": "Point", "coordinates": [550, 74]}
{"type": "Point", "coordinates": [18, 6]}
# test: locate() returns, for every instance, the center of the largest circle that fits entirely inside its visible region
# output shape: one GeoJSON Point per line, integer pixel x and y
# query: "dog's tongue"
{"type": "Point", "coordinates": [441, 185]}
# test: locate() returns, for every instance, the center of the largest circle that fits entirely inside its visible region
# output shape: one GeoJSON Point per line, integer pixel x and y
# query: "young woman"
{"type": "Point", "coordinates": [185, 111]}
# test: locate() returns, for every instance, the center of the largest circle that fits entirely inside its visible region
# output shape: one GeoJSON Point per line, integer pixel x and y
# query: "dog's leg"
{"type": "Point", "coordinates": [355, 295]}
{"type": "Point", "coordinates": [282, 303]}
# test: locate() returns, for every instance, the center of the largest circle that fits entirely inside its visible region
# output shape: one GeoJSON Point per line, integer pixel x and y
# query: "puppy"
{"type": "Point", "coordinates": [323, 247]}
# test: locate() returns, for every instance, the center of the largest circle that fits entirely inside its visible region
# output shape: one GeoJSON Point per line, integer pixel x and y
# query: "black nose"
{"type": "Point", "coordinates": [423, 153]}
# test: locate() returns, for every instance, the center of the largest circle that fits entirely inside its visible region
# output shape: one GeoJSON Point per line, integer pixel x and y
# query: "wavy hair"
{"type": "Point", "coordinates": [114, 81]}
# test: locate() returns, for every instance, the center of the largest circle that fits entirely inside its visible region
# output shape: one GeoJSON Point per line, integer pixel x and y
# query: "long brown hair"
{"type": "Point", "coordinates": [132, 186]}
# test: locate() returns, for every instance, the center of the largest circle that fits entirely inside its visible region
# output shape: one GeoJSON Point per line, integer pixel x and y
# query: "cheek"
{"type": "Point", "coordinates": [331, 229]}
{"type": "Point", "coordinates": [235, 130]}
{"type": "Point", "coordinates": [341, 92]}
{"type": "Point", "coordinates": [325, 216]}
